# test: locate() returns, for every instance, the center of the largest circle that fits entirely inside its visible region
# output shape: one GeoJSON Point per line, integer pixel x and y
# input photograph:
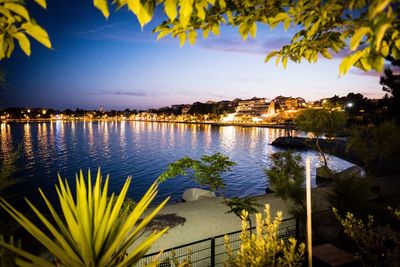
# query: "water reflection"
{"type": "Point", "coordinates": [28, 146]}
{"type": "Point", "coordinates": [227, 138]}
{"type": "Point", "coordinates": [143, 150]}
{"type": "Point", "coordinates": [6, 144]}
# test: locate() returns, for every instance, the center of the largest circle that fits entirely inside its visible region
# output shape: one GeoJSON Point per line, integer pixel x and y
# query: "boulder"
{"type": "Point", "coordinates": [324, 174]}
{"type": "Point", "coordinates": [194, 194]}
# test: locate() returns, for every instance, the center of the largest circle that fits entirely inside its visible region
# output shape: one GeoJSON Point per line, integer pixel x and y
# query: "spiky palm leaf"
{"type": "Point", "coordinates": [89, 232]}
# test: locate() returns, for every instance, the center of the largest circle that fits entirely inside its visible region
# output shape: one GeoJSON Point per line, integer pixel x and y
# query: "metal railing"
{"type": "Point", "coordinates": [211, 251]}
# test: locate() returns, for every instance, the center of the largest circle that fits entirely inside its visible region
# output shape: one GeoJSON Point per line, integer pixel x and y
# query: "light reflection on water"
{"type": "Point", "coordinates": [142, 150]}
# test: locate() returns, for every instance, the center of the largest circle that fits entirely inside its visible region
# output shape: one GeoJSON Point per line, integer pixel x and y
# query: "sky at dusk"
{"type": "Point", "coordinates": [113, 63]}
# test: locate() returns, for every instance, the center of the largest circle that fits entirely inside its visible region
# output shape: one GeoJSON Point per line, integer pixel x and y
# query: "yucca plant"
{"type": "Point", "coordinates": [90, 231]}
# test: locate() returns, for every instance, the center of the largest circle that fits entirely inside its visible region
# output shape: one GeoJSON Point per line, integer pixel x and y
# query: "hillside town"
{"type": "Point", "coordinates": [278, 110]}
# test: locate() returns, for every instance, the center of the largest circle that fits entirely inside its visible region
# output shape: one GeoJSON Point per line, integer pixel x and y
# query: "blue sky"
{"type": "Point", "coordinates": [115, 64]}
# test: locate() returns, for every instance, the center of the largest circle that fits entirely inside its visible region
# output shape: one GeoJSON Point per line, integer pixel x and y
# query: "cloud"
{"type": "Point", "coordinates": [232, 44]}
{"type": "Point", "coordinates": [136, 94]}
{"type": "Point", "coordinates": [373, 73]}
{"type": "Point", "coordinates": [120, 32]}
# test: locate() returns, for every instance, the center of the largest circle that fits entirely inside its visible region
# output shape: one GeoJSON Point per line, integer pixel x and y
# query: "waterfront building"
{"type": "Point", "coordinates": [259, 107]}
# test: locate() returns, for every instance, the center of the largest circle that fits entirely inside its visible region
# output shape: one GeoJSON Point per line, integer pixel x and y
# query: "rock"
{"type": "Point", "coordinates": [324, 174]}
{"type": "Point", "coordinates": [354, 171]}
{"type": "Point", "coordinates": [194, 194]}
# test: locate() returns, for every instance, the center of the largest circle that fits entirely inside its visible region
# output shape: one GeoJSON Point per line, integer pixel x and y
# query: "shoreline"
{"type": "Point", "coordinates": [213, 123]}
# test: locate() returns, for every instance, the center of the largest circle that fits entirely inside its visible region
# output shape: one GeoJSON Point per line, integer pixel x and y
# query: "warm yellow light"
{"type": "Point", "coordinates": [44, 111]}
{"type": "Point", "coordinates": [29, 111]}
{"type": "Point", "coordinates": [229, 118]}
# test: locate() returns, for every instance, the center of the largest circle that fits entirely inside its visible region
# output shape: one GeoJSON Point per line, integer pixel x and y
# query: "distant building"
{"type": "Point", "coordinates": [180, 109]}
{"type": "Point", "coordinates": [256, 107]}
{"type": "Point", "coordinates": [286, 103]}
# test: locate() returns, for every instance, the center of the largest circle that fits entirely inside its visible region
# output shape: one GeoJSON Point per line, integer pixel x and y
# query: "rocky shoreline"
{"type": "Point", "coordinates": [335, 147]}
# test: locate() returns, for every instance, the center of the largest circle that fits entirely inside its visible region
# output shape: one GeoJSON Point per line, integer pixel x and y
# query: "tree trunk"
{"type": "Point", "coordinates": [322, 153]}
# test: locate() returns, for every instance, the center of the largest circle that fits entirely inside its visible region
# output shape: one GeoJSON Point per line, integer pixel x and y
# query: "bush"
{"type": "Point", "coordinates": [265, 248]}
{"type": "Point", "coordinates": [349, 194]}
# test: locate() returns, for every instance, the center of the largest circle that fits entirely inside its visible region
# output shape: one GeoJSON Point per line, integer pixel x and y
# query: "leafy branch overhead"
{"type": "Point", "coordinates": [368, 30]}
{"type": "Point", "coordinates": [17, 24]}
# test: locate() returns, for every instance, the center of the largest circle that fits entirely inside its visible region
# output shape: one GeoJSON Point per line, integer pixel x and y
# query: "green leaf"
{"type": "Point", "coordinates": [170, 9]}
{"type": "Point", "coordinates": [253, 29]}
{"type": "Point", "coordinates": [100, 5]}
{"type": "Point", "coordinates": [11, 46]}
{"type": "Point", "coordinates": [206, 32]}
{"type": "Point", "coordinates": [350, 60]}
{"type": "Point", "coordinates": [185, 11]}
{"type": "Point", "coordinates": [378, 63]}
{"type": "Point", "coordinates": [215, 29]}
{"type": "Point", "coordinates": [6, 12]}
{"type": "Point", "coordinates": [380, 33]}
{"type": "Point", "coordinates": [201, 14]}
{"type": "Point", "coordinates": [192, 37]}
{"type": "Point", "coordinates": [366, 66]}
{"type": "Point", "coordinates": [286, 24]}
{"type": "Point", "coordinates": [377, 7]}
{"type": "Point", "coordinates": [384, 49]}
{"type": "Point", "coordinates": [146, 12]}
{"type": "Point", "coordinates": [280, 17]}
{"type": "Point", "coordinates": [18, 9]}
{"type": "Point", "coordinates": [182, 38]}
{"type": "Point", "coordinates": [395, 52]}
{"type": "Point", "coordinates": [163, 33]}
{"type": "Point", "coordinates": [284, 61]}
{"type": "Point", "coordinates": [42, 3]}
{"type": "Point", "coordinates": [229, 15]}
{"type": "Point", "coordinates": [23, 42]}
{"type": "Point", "coordinates": [326, 54]}
{"type": "Point", "coordinates": [357, 37]}
{"type": "Point", "coordinates": [270, 55]}
{"type": "Point", "coordinates": [3, 48]}
{"type": "Point", "coordinates": [278, 58]}
{"type": "Point", "coordinates": [37, 32]}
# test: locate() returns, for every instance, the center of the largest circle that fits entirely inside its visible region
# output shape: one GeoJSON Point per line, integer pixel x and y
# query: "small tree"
{"type": "Point", "coordinates": [372, 143]}
{"type": "Point", "coordinates": [265, 248]}
{"type": "Point", "coordinates": [287, 179]}
{"type": "Point", "coordinates": [320, 122]}
{"type": "Point", "coordinates": [207, 172]}
{"type": "Point", "coordinates": [391, 85]}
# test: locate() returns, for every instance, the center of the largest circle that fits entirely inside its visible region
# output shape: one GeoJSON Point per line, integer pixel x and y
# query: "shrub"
{"type": "Point", "coordinates": [377, 246]}
{"type": "Point", "coordinates": [265, 248]}
{"type": "Point", "coordinates": [287, 179]}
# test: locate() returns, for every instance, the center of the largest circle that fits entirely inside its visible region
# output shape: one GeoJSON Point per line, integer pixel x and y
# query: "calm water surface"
{"type": "Point", "coordinates": [138, 149]}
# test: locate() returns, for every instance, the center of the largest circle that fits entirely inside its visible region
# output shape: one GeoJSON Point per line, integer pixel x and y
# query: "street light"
{"type": "Point", "coordinates": [350, 104]}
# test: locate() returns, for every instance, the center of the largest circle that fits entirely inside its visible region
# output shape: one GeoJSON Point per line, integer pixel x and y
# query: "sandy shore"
{"type": "Point", "coordinates": [207, 217]}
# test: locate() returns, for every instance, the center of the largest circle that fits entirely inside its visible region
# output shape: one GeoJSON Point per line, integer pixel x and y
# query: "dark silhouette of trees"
{"type": "Point", "coordinates": [391, 85]}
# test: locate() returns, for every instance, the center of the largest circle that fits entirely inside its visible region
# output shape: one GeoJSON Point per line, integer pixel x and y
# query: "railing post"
{"type": "Point", "coordinates": [212, 252]}
{"type": "Point", "coordinates": [297, 231]}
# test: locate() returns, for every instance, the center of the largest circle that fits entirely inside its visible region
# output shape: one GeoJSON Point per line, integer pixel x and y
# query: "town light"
{"type": "Point", "coordinates": [350, 104]}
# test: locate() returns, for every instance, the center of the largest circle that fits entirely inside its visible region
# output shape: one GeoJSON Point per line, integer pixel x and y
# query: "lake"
{"type": "Point", "coordinates": [142, 150]}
